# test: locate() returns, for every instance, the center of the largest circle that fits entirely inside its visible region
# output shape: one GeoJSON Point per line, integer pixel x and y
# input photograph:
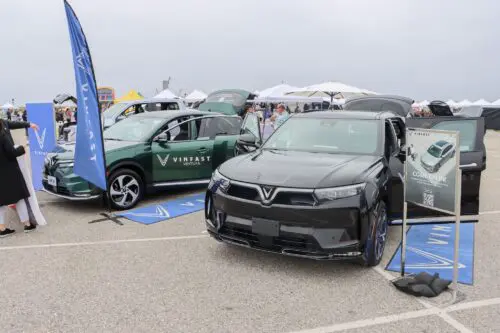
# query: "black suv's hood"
{"type": "Point", "coordinates": [298, 169]}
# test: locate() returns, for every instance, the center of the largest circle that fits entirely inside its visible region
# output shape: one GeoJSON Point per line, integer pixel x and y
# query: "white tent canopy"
{"type": "Point", "coordinates": [7, 106]}
{"type": "Point", "coordinates": [465, 102]}
{"type": "Point", "coordinates": [330, 89]}
{"type": "Point", "coordinates": [481, 102]}
{"type": "Point", "coordinates": [497, 102]}
{"type": "Point", "coordinates": [195, 96]}
{"type": "Point", "coordinates": [451, 102]}
{"type": "Point", "coordinates": [423, 103]}
{"type": "Point", "coordinates": [277, 91]}
{"type": "Point", "coordinates": [167, 93]}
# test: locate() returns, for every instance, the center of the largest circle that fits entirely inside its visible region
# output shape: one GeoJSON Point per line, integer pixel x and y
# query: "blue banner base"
{"type": "Point", "coordinates": [430, 249]}
{"type": "Point", "coordinates": [166, 210]}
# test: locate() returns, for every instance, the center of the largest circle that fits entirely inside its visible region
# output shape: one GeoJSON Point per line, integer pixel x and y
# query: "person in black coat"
{"type": "Point", "coordinates": [13, 188]}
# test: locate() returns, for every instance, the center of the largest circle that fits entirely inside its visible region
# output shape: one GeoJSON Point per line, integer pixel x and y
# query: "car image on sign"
{"type": "Point", "coordinates": [437, 155]}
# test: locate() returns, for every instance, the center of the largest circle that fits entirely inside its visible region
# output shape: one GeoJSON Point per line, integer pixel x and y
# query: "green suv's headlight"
{"type": "Point", "coordinates": [218, 182]}
{"type": "Point", "coordinates": [48, 157]}
{"type": "Point", "coordinates": [334, 193]}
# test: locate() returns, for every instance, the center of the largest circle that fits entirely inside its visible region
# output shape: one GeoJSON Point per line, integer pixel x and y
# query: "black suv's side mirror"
{"type": "Point", "coordinates": [401, 155]}
{"type": "Point", "coordinates": [247, 140]}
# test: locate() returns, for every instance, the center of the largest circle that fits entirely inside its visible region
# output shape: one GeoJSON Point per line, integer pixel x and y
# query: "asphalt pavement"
{"type": "Point", "coordinates": [72, 276]}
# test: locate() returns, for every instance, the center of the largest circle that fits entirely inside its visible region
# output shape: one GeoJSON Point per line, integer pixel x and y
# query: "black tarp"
{"type": "Point", "coordinates": [491, 115]}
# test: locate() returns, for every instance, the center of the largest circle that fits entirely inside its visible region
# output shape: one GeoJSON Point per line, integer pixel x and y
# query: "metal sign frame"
{"type": "Point", "coordinates": [456, 213]}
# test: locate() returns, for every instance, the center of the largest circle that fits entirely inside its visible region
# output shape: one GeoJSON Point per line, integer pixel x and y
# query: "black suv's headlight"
{"type": "Point", "coordinates": [334, 193]}
{"type": "Point", "coordinates": [218, 182]}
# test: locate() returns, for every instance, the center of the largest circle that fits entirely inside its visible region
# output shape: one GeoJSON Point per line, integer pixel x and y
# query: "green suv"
{"type": "Point", "coordinates": [152, 151]}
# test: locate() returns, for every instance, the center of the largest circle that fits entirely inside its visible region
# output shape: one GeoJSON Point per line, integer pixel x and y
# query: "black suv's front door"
{"type": "Point", "coordinates": [472, 159]}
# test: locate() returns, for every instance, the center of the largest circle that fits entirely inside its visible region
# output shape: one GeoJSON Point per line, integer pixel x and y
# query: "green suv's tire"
{"type": "Point", "coordinates": [377, 236]}
{"type": "Point", "coordinates": [126, 189]}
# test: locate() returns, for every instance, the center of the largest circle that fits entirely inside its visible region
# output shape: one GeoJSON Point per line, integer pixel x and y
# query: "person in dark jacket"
{"type": "Point", "coordinates": [13, 188]}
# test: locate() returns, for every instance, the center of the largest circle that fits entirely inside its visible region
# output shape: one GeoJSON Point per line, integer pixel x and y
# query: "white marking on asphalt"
{"type": "Point", "coordinates": [119, 241]}
{"type": "Point", "coordinates": [455, 323]}
{"type": "Point", "coordinates": [491, 212]}
{"type": "Point", "coordinates": [474, 304]}
{"type": "Point", "coordinates": [372, 321]}
{"type": "Point", "coordinates": [431, 310]}
{"type": "Point", "coordinates": [441, 313]}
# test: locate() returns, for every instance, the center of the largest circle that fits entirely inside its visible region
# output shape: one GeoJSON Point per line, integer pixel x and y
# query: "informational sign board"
{"type": "Point", "coordinates": [432, 165]}
{"type": "Point", "coordinates": [42, 141]}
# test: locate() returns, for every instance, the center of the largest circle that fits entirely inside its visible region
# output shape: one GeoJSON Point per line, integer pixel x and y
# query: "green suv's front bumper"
{"type": "Point", "coordinates": [68, 184]}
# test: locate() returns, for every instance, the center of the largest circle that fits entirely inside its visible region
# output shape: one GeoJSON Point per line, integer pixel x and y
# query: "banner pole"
{"type": "Point", "coordinates": [405, 213]}
{"type": "Point", "coordinates": [458, 213]}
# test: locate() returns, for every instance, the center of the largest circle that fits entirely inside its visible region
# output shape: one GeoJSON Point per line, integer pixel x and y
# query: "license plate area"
{"type": "Point", "coordinates": [52, 180]}
{"type": "Point", "coordinates": [265, 227]}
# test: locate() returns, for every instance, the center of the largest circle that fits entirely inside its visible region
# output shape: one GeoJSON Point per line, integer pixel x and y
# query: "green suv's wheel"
{"type": "Point", "coordinates": [377, 236]}
{"type": "Point", "coordinates": [125, 189]}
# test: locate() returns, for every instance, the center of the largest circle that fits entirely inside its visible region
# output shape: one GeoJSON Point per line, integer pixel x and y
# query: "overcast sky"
{"type": "Point", "coordinates": [424, 49]}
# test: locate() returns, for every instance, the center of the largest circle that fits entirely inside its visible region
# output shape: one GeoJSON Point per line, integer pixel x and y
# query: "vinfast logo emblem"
{"type": "Point", "coordinates": [41, 140]}
{"type": "Point", "coordinates": [267, 191]}
{"type": "Point", "coordinates": [163, 161]}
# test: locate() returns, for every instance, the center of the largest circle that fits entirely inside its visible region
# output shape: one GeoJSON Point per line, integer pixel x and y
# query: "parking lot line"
{"type": "Point", "coordinates": [119, 241]}
{"type": "Point", "coordinates": [442, 313]}
{"type": "Point", "coordinates": [372, 321]}
{"type": "Point", "coordinates": [491, 212]}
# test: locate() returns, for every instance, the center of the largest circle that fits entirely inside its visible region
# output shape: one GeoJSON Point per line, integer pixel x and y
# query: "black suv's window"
{"type": "Point", "coordinates": [467, 129]}
{"type": "Point", "coordinates": [208, 128]}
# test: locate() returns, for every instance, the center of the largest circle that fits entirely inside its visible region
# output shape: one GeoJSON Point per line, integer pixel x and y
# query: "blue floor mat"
{"type": "Point", "coordinates": [430, 249]}
{"type": "Point", "coordinates": [166, 210]}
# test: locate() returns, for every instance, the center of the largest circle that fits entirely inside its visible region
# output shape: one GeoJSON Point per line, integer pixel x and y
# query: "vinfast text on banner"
{"type": "Point", "coordinates": [41, 142]}
{"type": "Point", "coordinates": [432, 162]}
{"type": "Point", "coordinates": [89, 151]}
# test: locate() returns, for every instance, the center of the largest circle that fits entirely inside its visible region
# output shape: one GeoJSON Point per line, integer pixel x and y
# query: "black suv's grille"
{"type": "Point", "coordinates": [270, 243]}
{"type": "Point", "coordinates": [243, 192]}
{"type": "Point", "coordinates": [295, 199]}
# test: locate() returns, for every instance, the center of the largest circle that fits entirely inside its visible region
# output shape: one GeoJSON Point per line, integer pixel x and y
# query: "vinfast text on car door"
{"type": "Point", "coordinates": [472, 158]}
{"type": "Point", "coordinates": [176, 154]}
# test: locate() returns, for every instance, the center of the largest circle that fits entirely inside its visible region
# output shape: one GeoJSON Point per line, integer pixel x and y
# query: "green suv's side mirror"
{"type": "Point", "coordinates": [162, 138]}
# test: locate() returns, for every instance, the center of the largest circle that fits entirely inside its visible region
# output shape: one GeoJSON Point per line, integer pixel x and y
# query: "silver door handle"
{"type": "Point", "coordinates": [470, 165]}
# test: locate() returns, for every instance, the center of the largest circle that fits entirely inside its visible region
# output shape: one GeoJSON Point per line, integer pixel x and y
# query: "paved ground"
{"type": "Point", "coordinates": [170, 277]}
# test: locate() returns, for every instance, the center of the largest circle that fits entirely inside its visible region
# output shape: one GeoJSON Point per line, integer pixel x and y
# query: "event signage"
{"type": "Point", "coordinates": [431, 168]}
{"type": "Point", "coordinates": [89, 149]}
{"type": "Point", "coordinates": [433, 180]}
{"type": "Point", "coordinates": [42, 141]}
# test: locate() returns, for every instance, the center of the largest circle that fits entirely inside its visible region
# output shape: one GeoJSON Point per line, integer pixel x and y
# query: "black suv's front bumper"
{"type": "Point", "coordinates": [333, 231]}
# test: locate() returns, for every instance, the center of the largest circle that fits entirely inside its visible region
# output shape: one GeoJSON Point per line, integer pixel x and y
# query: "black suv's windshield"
{"type": "Point", "coordinates": [133, 129]}
{"type": "Point", "coordinates": [434, 151]}
{"type": "Point", "coordinates": [341, 136]}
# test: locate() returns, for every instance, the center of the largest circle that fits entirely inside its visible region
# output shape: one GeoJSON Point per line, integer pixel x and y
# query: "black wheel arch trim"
{"type": "Point", "coordinates": [129, 164]}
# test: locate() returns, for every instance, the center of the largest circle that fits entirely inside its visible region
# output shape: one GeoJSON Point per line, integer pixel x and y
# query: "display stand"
{"type": "Point", "coordinates": [456, 212]}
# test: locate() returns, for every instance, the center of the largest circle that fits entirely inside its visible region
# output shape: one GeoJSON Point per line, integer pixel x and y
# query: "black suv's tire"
{"type": "Point", "coordinates": [126, 189]}
{"type": "Point", "coordinates": [377, 235]}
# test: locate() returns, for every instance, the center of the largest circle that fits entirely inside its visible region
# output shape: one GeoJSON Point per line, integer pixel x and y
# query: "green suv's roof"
{"type": "Point", "coordinates": [171, 114]}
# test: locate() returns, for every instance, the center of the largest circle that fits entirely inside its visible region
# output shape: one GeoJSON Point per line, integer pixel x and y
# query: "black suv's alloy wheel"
{"type": "Point", "coordinates": [377, 236]}
{"type": "Point", "coordinates": [125, 189]}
